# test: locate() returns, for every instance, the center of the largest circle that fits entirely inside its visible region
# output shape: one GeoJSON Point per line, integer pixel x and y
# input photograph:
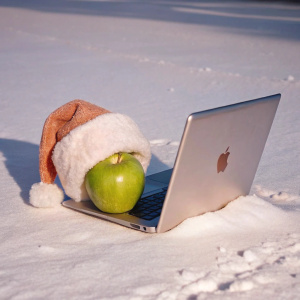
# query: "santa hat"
{"type": "Point", "coordinates": [75, 138]}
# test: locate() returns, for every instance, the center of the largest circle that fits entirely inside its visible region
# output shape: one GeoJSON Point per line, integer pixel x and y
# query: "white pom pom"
{"type": "Point", "coordinates": [45, 195]}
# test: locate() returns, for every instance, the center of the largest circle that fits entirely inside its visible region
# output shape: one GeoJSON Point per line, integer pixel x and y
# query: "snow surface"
{"type": "Point", "coordinates": [156, 61]}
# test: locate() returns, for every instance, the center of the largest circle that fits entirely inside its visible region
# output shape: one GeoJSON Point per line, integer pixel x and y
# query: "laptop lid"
{"type": "Point", "coordinates": [217, 159]}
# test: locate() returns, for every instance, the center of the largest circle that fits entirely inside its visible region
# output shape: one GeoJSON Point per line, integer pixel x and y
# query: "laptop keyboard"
{"type": "Point", "coordinates": [149, 207]}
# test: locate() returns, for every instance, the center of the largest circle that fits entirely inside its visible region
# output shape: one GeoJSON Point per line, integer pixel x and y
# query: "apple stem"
{"type": "Point", "coordinates": [119, 158]}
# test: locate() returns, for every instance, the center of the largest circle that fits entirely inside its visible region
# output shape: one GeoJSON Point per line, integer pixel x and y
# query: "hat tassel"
{"type": "Point", "coordinates": [45, 195]}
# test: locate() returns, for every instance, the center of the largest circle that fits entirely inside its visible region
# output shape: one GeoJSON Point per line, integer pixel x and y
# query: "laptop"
{"type": "Point", "coordinates": [216, 163]}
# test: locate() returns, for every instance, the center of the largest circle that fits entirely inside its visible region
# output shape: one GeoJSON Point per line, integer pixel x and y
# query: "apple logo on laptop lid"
{"type": "Point", "coordinates": [223, 161]}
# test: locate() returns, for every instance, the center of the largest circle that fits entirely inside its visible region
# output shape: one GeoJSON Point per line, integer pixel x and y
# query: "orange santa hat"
{"type": "Point", "coordinates": [75, 137]}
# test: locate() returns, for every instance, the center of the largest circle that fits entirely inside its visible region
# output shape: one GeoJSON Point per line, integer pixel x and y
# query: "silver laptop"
{"type": "Point", "coordinates": [216, 162]}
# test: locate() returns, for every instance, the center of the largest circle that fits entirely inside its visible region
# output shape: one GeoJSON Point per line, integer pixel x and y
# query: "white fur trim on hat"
{"type": "Point", "coordinates": [92, 142]}
{"type": "Point", "coordinates": [45, 195]}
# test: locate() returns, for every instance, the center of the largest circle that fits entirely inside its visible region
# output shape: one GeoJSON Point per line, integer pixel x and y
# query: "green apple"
{"type": "Point", "coordinates": [116, 183]}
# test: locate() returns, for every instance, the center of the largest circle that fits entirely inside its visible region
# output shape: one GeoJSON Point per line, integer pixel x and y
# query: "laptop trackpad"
{"type": "Point", "coordinates": [163, 177]}
{"type": "Point", "coordinates": [152, 186]}
{"type": "Point", "coordinates": [157, 181]}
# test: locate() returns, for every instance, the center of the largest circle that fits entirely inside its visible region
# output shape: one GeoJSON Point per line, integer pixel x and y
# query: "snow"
{"type": "Point", "coordinates": [156, 61]}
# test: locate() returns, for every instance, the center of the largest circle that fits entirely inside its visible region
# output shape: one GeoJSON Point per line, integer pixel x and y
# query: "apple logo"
{"type": "Point", "coordinates": [222, 161]}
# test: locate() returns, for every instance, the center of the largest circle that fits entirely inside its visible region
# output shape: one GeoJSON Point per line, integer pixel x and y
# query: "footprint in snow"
{"type": "Point", "coordinates": [290, 78]}
{"type": "Point", "coordinates": [206, 69]}
{"type": "Point", "coordinates": [282, 196]}
{"type": "Point", "coordinates": [272, 262]}
{"type": "Point", "coordinates": [276, 196]}
{"type": "Point", "coordinates": [159, 142]}
{"type": "Point", "coordinates": [163, 142]}
{"type": "Point", "coordinates": [47, 249]}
